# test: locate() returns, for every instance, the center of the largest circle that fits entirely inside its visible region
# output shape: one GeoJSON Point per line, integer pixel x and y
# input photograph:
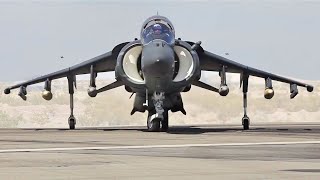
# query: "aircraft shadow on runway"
{"type": "Point", "coordinates": [304, 170]}
{"type": "Point", "coordinates": [197, 129]}
{"type": "Point", "coordinates": [172, 130]}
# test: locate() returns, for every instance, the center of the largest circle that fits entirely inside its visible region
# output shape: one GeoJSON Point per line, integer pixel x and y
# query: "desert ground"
{"type": "Point", "coordinates": [112, 108]}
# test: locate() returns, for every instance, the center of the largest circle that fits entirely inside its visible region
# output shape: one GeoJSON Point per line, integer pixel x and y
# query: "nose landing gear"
{"type": "Point", "coordinates": [158, 116]}
{"type": "Point", "coordinates": [154, 122]}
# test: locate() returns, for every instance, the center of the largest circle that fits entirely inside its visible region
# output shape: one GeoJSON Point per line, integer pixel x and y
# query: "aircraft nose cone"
{"type": "Point", "coordinates": [157, 64]}
{"type": "Point", "coordinates": [157, 59]}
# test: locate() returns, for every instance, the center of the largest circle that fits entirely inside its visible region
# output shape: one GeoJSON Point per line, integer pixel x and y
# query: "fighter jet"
{"type": "Point", "coordinates": [158, 67]}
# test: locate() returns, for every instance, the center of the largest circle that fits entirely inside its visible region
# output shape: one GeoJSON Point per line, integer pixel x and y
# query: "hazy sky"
{"type": "Point", "coordinates": [282, 37]}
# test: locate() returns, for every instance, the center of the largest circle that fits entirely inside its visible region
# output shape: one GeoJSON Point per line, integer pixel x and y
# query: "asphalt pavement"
{"type": "Point", "coordinates": [277, 151]}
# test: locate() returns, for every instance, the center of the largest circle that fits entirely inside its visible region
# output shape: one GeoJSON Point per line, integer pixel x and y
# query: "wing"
{"type": "Point", "coordinates": [213, 62]}
{"type": "Point", "coordinates": [103, 63]}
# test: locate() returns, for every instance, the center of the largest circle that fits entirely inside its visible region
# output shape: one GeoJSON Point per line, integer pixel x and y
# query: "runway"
{"type": "Point", "coordinates": [278, 151]}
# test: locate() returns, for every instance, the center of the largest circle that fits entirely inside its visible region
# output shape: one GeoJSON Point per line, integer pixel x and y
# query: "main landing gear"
{"type": "Point", "coordinates": [165, 121]}
{"type": "Point", "coordinates": [245, 119]}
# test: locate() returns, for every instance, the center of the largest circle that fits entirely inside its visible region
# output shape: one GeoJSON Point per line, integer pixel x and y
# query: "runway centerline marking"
{"type": "Point", "coordinates": [156, 146]}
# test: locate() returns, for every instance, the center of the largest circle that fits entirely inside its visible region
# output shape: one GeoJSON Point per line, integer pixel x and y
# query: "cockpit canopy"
{"type": "Point", "coordinates": [157, 29]}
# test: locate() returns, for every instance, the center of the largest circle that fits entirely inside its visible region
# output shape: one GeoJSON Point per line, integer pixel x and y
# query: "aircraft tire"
{"type": "Point", "coordinates": [245, 123]}
{"type": "Point", "coordinates": [153, 125]}
{"type": "Point", "coordinates": [72, 123]}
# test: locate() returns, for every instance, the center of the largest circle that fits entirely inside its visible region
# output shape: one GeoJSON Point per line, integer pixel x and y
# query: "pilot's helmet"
{"type": "Point", "coordinates": [157, 28]}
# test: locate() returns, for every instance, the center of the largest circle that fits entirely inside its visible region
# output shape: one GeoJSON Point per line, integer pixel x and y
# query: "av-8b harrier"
{"type": "Point", "coordinates": [158, 68]}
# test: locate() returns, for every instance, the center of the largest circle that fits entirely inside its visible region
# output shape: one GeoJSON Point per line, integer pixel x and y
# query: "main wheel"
{"type": "Point", "coordinates": [165, 121]}
{"type": "Point", "coordinates": [153, 123]}
{"type": "Point", "coordinates": [72, 123]}
{"type": "Point", "coordinates": [245, 123]}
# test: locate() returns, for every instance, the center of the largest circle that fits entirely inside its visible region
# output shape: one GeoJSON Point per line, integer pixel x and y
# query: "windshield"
{"type": "Point", "coordinates": [158, 31]}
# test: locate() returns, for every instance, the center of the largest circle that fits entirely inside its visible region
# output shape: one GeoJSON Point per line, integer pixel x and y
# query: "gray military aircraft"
{"type": "Point", "coordinates": [157, 68]}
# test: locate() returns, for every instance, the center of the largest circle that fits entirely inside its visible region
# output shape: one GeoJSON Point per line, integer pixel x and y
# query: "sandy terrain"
{"type": "Point", "coordinates": [113, 107]}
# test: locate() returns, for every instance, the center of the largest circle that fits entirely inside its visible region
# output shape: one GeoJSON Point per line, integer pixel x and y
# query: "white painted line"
{"type": "Point", "coordinates": [157, 146]}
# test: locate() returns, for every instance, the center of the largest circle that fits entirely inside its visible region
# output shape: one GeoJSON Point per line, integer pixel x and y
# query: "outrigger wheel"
{"type": "Point", "coordinates": [245, 122]}
{"type": "Point", "coordinates": [72, 122]}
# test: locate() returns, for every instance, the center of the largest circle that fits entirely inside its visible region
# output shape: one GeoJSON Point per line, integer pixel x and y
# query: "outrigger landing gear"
{"type": "Point", "coordinates": [245, 119]}
{"type": "Point", "coordinates": [245, 122]}
{"type": "Point", "coordinates": [72, 119]}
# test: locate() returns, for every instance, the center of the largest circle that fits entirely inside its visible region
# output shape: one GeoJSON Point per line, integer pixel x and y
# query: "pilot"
{"type": "Point", "coordinates": [157, 29]}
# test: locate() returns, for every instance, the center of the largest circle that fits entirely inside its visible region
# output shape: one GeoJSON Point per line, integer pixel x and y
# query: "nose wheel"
{"type": "Point", "coordinates": [153, 122]}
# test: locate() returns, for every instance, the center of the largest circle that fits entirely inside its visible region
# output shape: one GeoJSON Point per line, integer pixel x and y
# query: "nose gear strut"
{"type": "Point", "coordinates": [157, 99]}
{"type": "Point", "coordinates": [156, 116]}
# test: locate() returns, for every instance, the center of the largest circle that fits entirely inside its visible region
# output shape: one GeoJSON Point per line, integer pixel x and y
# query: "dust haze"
{"type": "Point", "coordinates": [112, 108]}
